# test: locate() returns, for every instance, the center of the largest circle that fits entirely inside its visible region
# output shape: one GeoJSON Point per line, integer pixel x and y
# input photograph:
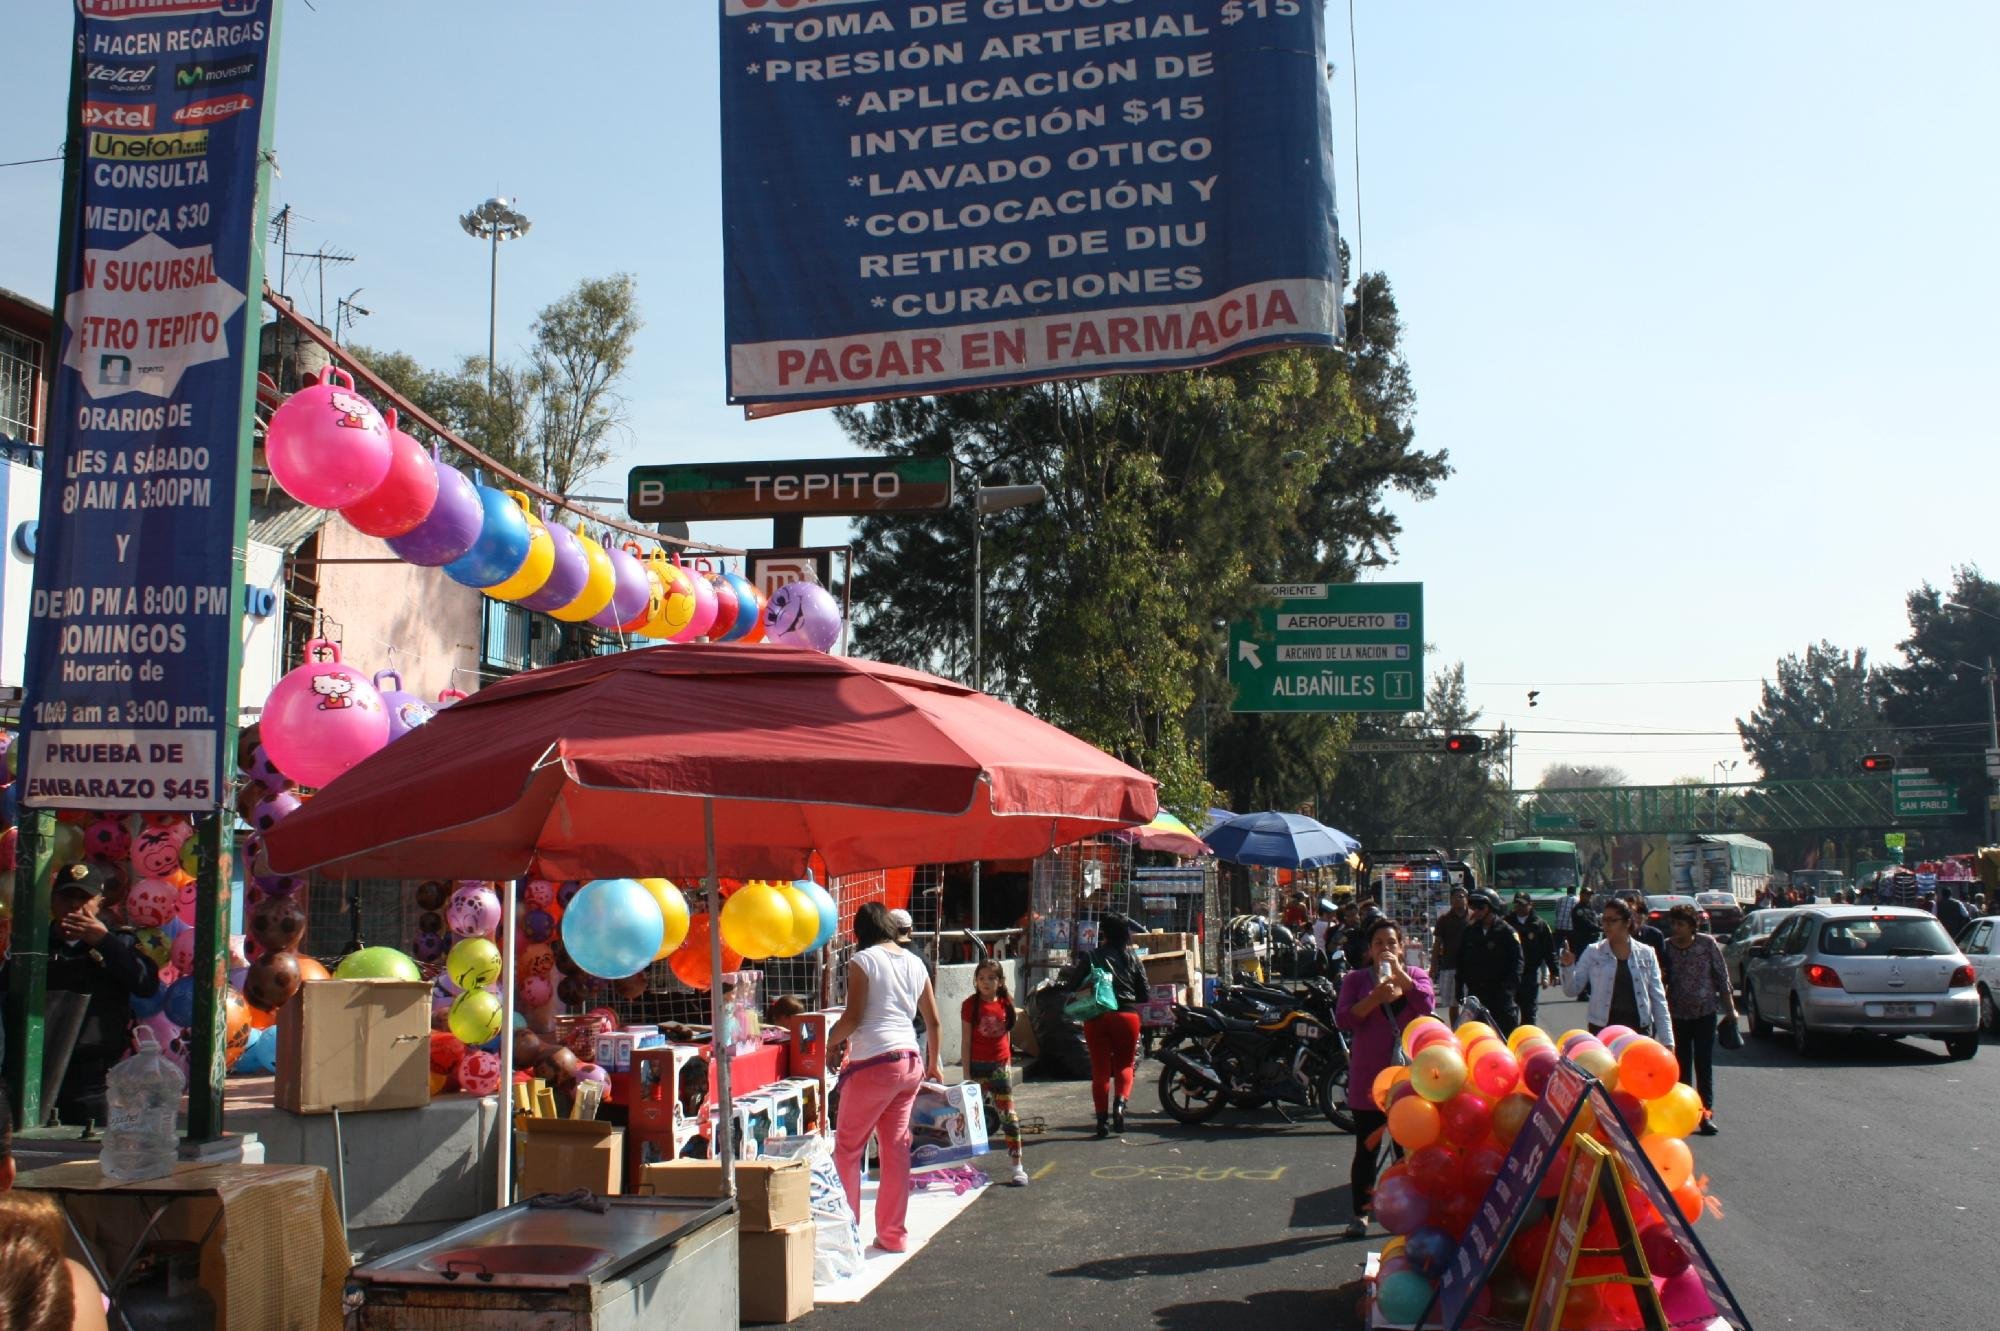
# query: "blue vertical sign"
{"type": "Point", "coordinates": [128, 687]}
{"type": "Point", "coordinates": [926, 197]}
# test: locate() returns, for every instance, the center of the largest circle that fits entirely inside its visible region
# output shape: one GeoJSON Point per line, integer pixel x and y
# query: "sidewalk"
{"type": "Point", "coordinates": [1167, 1227]}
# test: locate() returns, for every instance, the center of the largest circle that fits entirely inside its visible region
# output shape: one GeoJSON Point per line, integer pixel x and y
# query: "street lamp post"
{"type": "Point", "coordinates": [987, 499]}
{"type": "Point", "coordinates": [1992, 727]}
{"type": "Point", "coordinates": [494, 221]}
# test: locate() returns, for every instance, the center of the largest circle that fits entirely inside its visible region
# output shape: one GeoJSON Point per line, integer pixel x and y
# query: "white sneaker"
{"type": "Point", "coordinates": [1018, 1179]}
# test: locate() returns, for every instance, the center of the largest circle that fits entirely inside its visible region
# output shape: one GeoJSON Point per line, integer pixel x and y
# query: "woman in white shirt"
{"type": "Point", "coordinates": [1626, 988]}
{"type": "Point", "coordinates": [888, 988]}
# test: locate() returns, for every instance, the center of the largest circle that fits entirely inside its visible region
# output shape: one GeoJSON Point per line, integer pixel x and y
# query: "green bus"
{"type": "Point", "coordinates": [1545, 869]}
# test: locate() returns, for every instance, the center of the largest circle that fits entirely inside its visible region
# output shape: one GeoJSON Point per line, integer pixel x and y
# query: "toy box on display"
{"type": "Point", "coordinates": [947, 1125]}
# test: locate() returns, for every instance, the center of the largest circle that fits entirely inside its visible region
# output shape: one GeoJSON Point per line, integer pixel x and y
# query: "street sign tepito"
{"type": "Point", "coordinates": [1331, 647]}
{"type": "Point", "coordinates": [822, 487]}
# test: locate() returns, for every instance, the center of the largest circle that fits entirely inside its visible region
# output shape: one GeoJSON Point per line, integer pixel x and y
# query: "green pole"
{"type": "Point", "coordinates": [215, 832]}
{"type": "Point", "coordinates": [28, 975]}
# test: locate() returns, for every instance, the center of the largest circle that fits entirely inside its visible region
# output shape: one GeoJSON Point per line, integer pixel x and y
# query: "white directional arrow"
{"type": "Point", "coordinates": [1247, 651]}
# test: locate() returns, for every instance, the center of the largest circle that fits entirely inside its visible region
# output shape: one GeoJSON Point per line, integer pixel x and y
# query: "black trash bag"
{"type": "Point", "coordinates": [1064, 1055]}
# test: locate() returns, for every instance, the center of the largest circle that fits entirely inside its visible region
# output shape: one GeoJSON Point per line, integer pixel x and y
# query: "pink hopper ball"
{"type": "Point", "coordinates": [327, 445]}
{"type": "Point", "coordinates": [404, 498]}
{"type": "Point", "coordinates": [323, 718]}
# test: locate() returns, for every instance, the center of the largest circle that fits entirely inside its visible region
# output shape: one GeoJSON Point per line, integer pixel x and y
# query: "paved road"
{"type": "Point", "coordinates": [1859, 1190]}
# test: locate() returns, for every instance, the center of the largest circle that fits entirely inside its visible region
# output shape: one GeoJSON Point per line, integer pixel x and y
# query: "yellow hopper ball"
{"type": "Point", "coordinates": [757, 921]}
{"type": "Point", "coordinates": [535, 569]}
{"type": "Point", "coordinates": [805, 918]}
{"type": "Point", "coordinates": [598, 585]}
{"type": "Point", "coordinates": [673, 908]}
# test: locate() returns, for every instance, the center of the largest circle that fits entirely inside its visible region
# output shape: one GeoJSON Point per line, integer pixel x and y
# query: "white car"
{"type": "Point", "coordinates": [1980, 942]}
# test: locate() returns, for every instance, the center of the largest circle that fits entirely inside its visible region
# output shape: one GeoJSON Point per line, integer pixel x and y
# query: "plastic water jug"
{"type": "Point", "coordinates": [143, 1093]}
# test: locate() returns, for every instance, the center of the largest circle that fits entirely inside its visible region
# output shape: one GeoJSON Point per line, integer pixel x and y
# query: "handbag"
{"type": "Point", "coordinates": [1094, 998]}
{"type": "Point", "coordinates": [1729, 1034]}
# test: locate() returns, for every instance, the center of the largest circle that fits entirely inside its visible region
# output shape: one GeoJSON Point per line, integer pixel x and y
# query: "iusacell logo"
{"type": "Point", "coordinates": [117, 115]}
{"type": "Point", "coordinates": [149, 147]}
{"type": "Point", "coordinates": [119, 10]}
{"type": "Point", "coordinates": [213, 109]}
{"type": "Point", "coordinates": [213, 74]}
{"type": "Point", "coordinates": [132, 80]}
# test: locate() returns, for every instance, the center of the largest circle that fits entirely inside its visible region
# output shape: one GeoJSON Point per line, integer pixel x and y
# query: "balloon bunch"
{"type": "Point", "coordinates": [1455, 1110]}
{"type": "Point", "coordinates": [274, 908]}
{"type": "Point", "coordinates": [328, 447]}
{"type": "Point", "coordinates": [457, 928]}
{"type": "Point", "coordinates": [765, 919]}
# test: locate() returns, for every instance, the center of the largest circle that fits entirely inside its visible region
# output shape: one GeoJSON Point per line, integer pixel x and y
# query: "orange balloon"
{"type": "Point", "coordinates": [1414, 1122]}
{"type": "Point", "coordinates": [1648, 1069]}
{"type": "Point", "coordinates": [1688, 1197]}
{"type": "Point", "coordinates": [236, 1026]}
{"type": "Point", "coordinates": [1385, 1081]}
{"type": "Point", "coordinates": [690, 961]}
{"type": "Point", "coordinates": [311, 970]}
{"type": "Point", "coordinates": [261, 1018]}
{"type": "Point", "coordinates": [1671, 1156]}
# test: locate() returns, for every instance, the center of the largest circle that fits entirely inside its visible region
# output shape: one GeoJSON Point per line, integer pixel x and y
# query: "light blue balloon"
{"type": "Point", "coordinates": [259, 1056]}
{"type": "Point", "coordinates": [829, 912]}
{"type": "Point", "coordinates": [612, 928]}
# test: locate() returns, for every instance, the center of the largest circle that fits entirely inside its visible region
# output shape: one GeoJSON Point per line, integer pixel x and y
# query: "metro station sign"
{"type": "Point", "coordinates": [821, 487]}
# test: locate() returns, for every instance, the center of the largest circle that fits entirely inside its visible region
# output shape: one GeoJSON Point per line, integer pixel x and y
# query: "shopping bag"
{"type": "Point", "coordinates": [1093, 998]}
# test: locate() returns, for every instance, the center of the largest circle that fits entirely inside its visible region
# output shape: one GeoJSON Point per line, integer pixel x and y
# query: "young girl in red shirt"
{"type": "Point", "coordinates": [985, 1053]}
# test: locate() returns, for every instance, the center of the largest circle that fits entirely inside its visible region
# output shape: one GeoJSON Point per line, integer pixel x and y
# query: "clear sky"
{"type": "Point", "coordinates": [1699, 297]}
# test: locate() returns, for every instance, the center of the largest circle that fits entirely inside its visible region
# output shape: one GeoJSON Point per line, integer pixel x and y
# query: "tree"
{"type": "Point", "coordinates": [1581, 776]}
{"type": "Point", "coordinates": [1818, 718]}
{"type": "Point", "coordinates": [1937, 700]}
{"type": "Point", "coordinates": [1171, 496]}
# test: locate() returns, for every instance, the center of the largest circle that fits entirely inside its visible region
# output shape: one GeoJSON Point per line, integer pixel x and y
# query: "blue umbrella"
{"type": "Point", "coordinates": [1280, 841]}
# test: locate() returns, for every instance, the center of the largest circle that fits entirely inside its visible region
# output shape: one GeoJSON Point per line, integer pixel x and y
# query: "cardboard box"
{"type": "Point", "coordinates": [947, 1126]}
{"type": "Point", "coordinates": [775, 1274]}
{"type": "Point", "coordinates": [1181, 968]}
{"type": "Point", "coordinates": [354, 1045]}
{"type": "Point", "coordinates": [1151, 943]}
{"type": "Point", "coordinates": [564, 1154]}
{"type": "Point", "coordinates": [770, 1194]}
{"type": "Point", "coordinates": [808, 1054]}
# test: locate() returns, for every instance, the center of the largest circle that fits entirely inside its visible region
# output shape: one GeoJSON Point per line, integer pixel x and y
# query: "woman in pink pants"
{"type": "Point", "coordinates": [887, 990]}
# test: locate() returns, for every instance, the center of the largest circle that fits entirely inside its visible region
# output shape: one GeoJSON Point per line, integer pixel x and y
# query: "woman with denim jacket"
{"type": "Point", "coordinates": [1623, 976]}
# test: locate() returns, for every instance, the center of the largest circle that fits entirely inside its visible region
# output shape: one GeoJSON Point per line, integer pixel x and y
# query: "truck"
{"type": "Point", "coordinates": [1723, 862]}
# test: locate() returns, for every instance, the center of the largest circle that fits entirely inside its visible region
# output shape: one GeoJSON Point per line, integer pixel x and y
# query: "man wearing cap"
{"type": "Point", "coordinates": [1489, 961]}
{"type": "Point", "coordinates": [1445, 936]}
{"type": "Point", "coordinates": [104, 968]}
{"type": "Point", "coordinates": [1538, 953]}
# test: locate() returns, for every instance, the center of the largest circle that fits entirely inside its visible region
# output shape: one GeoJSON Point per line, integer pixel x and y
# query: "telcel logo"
{"type": "Point", "coordinates": [213, 109]}
{"type": "Point", "coordinates": [120, 78]}
{"type": "Point", "coordinates": [114, 115]}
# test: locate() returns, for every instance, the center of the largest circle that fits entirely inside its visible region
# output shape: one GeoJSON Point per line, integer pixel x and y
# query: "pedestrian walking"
{"type": "Point", "coordinates": [1643, 928]}
{"type": "Point", "coordinates": [1699, 999]}
{"type": "Point", "coordinates": [1623, 977]}
{"type": "Point", "coordinates": [1446, 935]}
{"type": "Point", "coordinates": [1489, 962]}
{"type": "Point", "coordinates": [1113, 1037]}
{"type": "Point", "coordinates": [888, 989]}
{"type": "Point", "coordinates": [986, 1054]}
{"type": "Point", "coordinates": [1376, 1001]}
{"type": "Point", "coordinates": [1951, 912]}
{"type": "Point", "coordinates": [1566, 910]}
{"type": "Point", "coordinates": [1357, 936]}
{"type": "Point", "coordinates": [1538, 954]}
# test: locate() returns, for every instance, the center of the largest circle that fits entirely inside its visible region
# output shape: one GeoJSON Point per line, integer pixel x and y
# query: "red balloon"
{"type": "Point", "coordinates": [1435, 1171]}
{"type": "Point", "coordinates": [1428, 1035]}
{"type": "Point", "coordinates": [1454, 1213]}
{"type": "Point", "coordinates": [1529, 1245]}
{"type": "Point", "coordinates": [1632, 1109]}
{"type": "Point", "coordinates": [1536, 1069]}
{"type": "Point", "coordinates": [1664, 1254]}
{"type": "Point", "coordinates": [1468, 1119]}
{"type": "Point", "coordinates": [1482, 1164]}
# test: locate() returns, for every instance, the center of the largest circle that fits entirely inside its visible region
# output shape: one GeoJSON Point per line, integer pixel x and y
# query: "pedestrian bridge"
{"type": "Point", "coordinates": [1840, 803]}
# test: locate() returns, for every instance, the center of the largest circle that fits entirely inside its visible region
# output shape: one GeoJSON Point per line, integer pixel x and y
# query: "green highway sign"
{"type": "Point", "coordinates": [1331, 647]}
{"type": "Point", "coordinates": [1918, 794]}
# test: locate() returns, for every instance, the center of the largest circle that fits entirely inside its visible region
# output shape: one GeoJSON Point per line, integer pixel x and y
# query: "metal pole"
{"type": "Point", "coordinates": [509, 913]}
{"type": "Point", "coordinates": [978, 676]}
{"type": "Point", "coordinates": [28, 976]}
{"type": "Point", "coordinates": [1992, 752]}
{"type": "Point", "coordinates": [724, 1140]}
{"type": "Point", "coordinates": [492, 311]}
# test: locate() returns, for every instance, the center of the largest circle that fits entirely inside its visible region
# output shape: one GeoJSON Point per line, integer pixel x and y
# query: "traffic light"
{"type": "Point", "coordinates": [1878, 762]}
{"type": "Point", "coordinates": [1464, 743]}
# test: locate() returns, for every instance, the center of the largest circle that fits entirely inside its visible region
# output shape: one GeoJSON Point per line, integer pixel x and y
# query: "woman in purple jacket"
{"type": "Point", "coordinates": [1376, 1002]}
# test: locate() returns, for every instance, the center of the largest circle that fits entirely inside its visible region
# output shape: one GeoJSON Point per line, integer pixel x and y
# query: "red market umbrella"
{"type": "Point", "coordinates": [678, 760]}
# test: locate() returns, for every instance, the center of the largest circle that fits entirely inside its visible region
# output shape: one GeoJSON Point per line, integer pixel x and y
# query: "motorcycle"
{"type": "Point", "coordinates": [1256, 1045]}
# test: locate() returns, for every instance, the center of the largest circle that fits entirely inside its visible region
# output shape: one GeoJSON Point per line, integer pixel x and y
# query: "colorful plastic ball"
{"type": "Point", "coordinates": [151, 903]}
{"type": "Point", "coordinates": [1648, 1069]}
{"type": "Point", "coordinates": [539, 926]}
{"type": "Point", "coordinates": [406, 710]}
{"type": "Point", "coordinates": [1631, 1109]}
{"type": "Point", "coordinates": [502, 546]}
{"type": "Point", "coordinates": [1424, 1031]}
{"type": "Point", "coordinates": [568, 571]}
{"type": "Point", "coordinates": [452, 526]}
{"type": "Point", "coordinates": [1437, 1071]}
{"type": "Point", "coordinates": [805, 918]}
{"type": "Point", "coordinates": [407, 491]}
{"type": "Point", "coordinates": [803, 614]}
{"type": "Point", "coordinates": [431, 894]}
{"type": "Point", "coordinates": [672, 603]}
{"type": "Point", "coordinates": [272, 979]}
{"type": "Point", "coordinates": [429, 946]}
{"type": "Point", "coordinates": [536, 991]}
{"type": "Point", "coordinates": [1671, 1157]}
{"type": "Point", "coordinates": [190, 856]}
{"type": "Point", "coordinates": [538, 959]}
{"type": "Point", "coordinates": [310, 970]}
{"type": "Point", "coordinates": [591, 1072]}
{"type": "Point", "coordinates": [236, 1028]}
{"type": "Point", "coordinates": [536, 564]}
{"type": "Point", "coordinates": [690, 959]}
{"type": "Point", "coordinates": [613, 927]}
{"type": "Point", "coordinates": [156, 851]}
{"type": "Point", "coordinates": [1690, 1200]}
{"type": "Point", "coordinates": [107, 840]}
{"type": "Point", "coordinates": [179, 1007]}
{"type": "Point", "coordinates": [748, 623]}
{"type": "Point", "coordinates": [673, 914]}
{"type": "Point", "coordinates": [323, 718]}
{"type": "Point", "coordinates": [479, 1072]}
{"type": "Point", "coordinates": [473, 910]}
{"type": "Point", "coordinates": [446, 1051]}
{"type": "Point", "coordinates": [1414, 1122]}
{"type": "Point", "coordinates": [1665, 1256]}
{"type": "Point", "coordinates": [1675, 1114]}
{"type": "Point", "coordinates": [702, 611]}
{"type": "Point", "coordinates": [539, 894]}
{"type": "Point", "coordinates": [326, 445]}
{"type": "Point", "coordinates": [473, 963]}
{"type": "Point", "coordinates": [566, 892]}
{"type": "Point", "coordinates": [1568, 1039]}
{"type": "Point", "coordinates": [1537, 1068]}
{"type": "Point", "coordinates": [277, 923]}
{"type": "Point", "coordinates": [155, 942]}
{"type": "Point", "coordinates": [1399, 1206]}
{"type": "Point", "coordinates": [475, 1016]}
{"type": "Point", "coordinates": [377, 963]}
{"type": "Point", "coordinates": [599, 583]}
{"type": "Point", "coordinates": [630, 593]}
{"type": "Point", "coordinates": [757, 921]}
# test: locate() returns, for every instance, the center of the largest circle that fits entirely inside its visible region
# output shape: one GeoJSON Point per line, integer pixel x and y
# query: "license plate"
{"type": "Point", "coordinates": [1307, 1030]}
{"type": "Point", "coordinates": [1905, 1009]}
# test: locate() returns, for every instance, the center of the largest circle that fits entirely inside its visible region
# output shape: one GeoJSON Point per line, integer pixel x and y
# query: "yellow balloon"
{"type": "Point", "coordinates": [674, 908]}
{"type": "Point", "coordinates": [1598, 1062]}
{"type": "Point", "coordinates": [535, 569]}
{"type": "Point", "coordinates": [1438, 1072]}
{"type": "Point", "coordinates": [805, 918]}
{"type": "Point", "coordinates": [757, 921]}
{"type": "Point", "coordinates": [1675, 1114]}
{"type": "Point", "coordinates": [1522, 1033]}
{"type": "Point", "coordinates": [1471, 1033]}
{"type": "Point", "coordinates": [597, 587]}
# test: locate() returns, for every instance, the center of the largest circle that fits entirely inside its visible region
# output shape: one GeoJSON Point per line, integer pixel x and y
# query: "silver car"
{"type": "Point", "coordinates": [1756, 928]}
{"type": "Point", "coordinates": [1876, 970]}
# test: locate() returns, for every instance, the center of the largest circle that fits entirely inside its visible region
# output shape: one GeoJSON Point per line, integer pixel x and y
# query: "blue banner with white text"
{"type": "Point", "coordinates": [926, 197]}
{"type": "Point", "coordinates": [128, 687]}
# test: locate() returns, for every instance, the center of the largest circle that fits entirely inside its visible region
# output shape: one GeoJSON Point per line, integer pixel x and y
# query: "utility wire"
{"type": "Point", "coordinates": [30, 161]}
